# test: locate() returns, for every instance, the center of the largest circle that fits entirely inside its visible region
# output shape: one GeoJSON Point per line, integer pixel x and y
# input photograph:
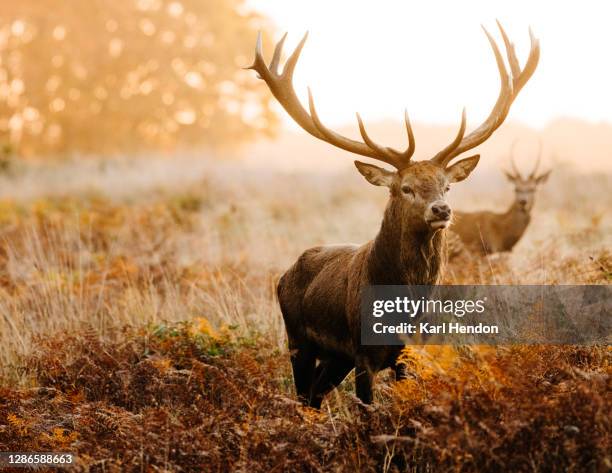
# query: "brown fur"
{"type": "Point", "coordinates": [320, 294]}
{"type": "Point", "coordinates": [487, 232]}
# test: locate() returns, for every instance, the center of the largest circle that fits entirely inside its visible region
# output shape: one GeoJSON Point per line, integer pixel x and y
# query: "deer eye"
{"type": "Point", "coordinates": [407, 190]}
{"type": "Point", "coordinates": [447, 188]}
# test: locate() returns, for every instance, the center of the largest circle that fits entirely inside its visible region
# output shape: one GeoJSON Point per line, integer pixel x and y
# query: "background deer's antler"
{"type": "Point", "coordinates": [515, 172]}
{"type": "Point", "coordinates": [538, 159]}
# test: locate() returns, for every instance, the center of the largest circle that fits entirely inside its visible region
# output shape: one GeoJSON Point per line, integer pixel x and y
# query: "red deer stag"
{"type": "Point", "coordinates": [320, 294]}
{"type": "Point", "coordinates": [487, 232]}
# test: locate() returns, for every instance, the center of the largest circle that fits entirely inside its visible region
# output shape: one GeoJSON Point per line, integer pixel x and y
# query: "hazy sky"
{"type": "Point", "coordinates": [377, 57]}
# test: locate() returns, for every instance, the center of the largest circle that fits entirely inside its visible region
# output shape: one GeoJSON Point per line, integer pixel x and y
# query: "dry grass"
{"type": "Point", "coordinates": [138, 328]}
{"type": "Point", "coordinates": [182, 398]}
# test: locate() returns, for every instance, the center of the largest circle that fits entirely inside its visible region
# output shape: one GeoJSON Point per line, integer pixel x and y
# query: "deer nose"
{"type": "Point", "coordinates": [523, 202]}
{"type": "Point", "coordinates": [441, 210]}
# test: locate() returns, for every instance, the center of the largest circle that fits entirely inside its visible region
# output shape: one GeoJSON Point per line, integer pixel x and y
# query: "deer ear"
{"type": "Point", "coordinates": [374, 174]}
{"type": "Point", "coordinates": [511, 177]}
{"type": "Point", "coordinates": [542, 178]}
{"type": "Point", "coordinates": [462, 169]}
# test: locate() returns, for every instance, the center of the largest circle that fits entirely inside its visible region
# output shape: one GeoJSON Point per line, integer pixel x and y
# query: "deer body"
{"type": "Point", "coordinates": [488, 232]}
{"type": "Point", "coordinates": [320, 294]}
{"type": "Point", "coordinates": [320, 300]}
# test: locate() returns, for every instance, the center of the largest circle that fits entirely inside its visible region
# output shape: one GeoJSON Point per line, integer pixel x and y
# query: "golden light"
{"type": "Point", "coordinates": [18, 27]}
{"type": "Point", "coordinates": [147, 27]}
{"type": "Point", "coordinates": [175, 9]}
{"type": "Point", "coordinates": [111, 26]}
{"type": "Point", "coordinates": [115, 47]}
{"type": "Point", "coordinates": [57, 104]}
{"type": "Point", "coordinates": [194, 79]}
{"type": "Point", "coordinates": [59, 33]}
{"type": "Point", "coordinates": [185, 115]}
{"type": "Point", "coordinates": [433, 58]}
{"type": "Point", "coordinates": [57, 61]}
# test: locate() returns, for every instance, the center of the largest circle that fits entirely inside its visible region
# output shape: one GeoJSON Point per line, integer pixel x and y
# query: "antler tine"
{"type": "Point", "coordinates": [287, 74]}
{"type": "Point", "coordinates": [406, 155]}
{"type": "Point", "coordinates": [499, 109]}
{"type": "Point", "coordinates": [400, 159]}
{"type": "Point", "coordinates": [281, 86]}
{"type": "Point", "coordinates": [512, 161]}
{"type": "Point", "coordinates": [277, 55]}
{"type": "Point", "coordinates": [411, 141]}
{"type": "Point", "coordinates": [511, 85]}
{"type": "Point", "coordinates": [259, 64]}
{"type": "Point", "coordinates": [393, 159]}
{"type": "Point", "coordinates": [381, 153]}
{"type": "Point", "coordinates": [444, 156]}
{"type": "Point", "coordinates": [515, 68]}
{"type": "Point", "coordinates": [537, 164]}
{"type": "Point", "coordinates": [531, 64]}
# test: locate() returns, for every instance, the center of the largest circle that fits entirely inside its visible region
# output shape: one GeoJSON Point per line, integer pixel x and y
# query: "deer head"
{"type": "Point", "coordinates": [525, 188]}
{"type": "Point", "coordinates": [418, 189]}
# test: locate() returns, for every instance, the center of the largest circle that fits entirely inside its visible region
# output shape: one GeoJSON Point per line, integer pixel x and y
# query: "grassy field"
{"type": "Point", "coordinates": [139, 328]}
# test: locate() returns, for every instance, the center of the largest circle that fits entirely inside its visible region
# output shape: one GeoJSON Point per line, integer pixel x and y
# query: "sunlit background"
{"type": "Point", "coordinates": [152, 193]}
{"type": "Point", "coordinates": [112, 78]}
{"type": "Point", "coordinates": [432, 57]}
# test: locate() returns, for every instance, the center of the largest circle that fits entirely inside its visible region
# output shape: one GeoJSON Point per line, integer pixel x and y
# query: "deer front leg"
{"type": "Point", "coordinates": [401, 371]}
{"type": "Point", "coordinates": [364, 379]}
{"type": "Point", "coordinates": [328, 375]}
{"type": "Point", "coordinates": [303, 362]}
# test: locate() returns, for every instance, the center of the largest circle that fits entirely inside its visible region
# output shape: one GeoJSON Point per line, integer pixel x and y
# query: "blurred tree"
{"type": "Point", "coordinates": [103, 76]}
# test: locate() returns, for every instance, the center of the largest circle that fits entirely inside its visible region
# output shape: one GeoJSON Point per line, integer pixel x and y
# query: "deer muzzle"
{"type": "Point", "coordinates": [438, 215]}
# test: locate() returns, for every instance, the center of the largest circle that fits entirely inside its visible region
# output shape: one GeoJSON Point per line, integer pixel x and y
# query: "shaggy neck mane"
{"type": "Point", "coordinates": [404, 254]}
{"type": "Point", "coordinates": [517, 214]}
{"type": "Point", "coordinates": [514, 222]}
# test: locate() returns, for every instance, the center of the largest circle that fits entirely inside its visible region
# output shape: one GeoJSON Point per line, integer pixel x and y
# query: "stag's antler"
{"type": "Point", "coordinates": [281, 86]}
{"type": "Point", "coordinates": [511, 85]}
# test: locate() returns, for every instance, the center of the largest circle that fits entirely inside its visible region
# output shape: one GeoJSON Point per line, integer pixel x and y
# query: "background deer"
{"type": "Point", "coordinates": [488, 232]}
{"type": "Point", "coordinates": [320, 294]}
